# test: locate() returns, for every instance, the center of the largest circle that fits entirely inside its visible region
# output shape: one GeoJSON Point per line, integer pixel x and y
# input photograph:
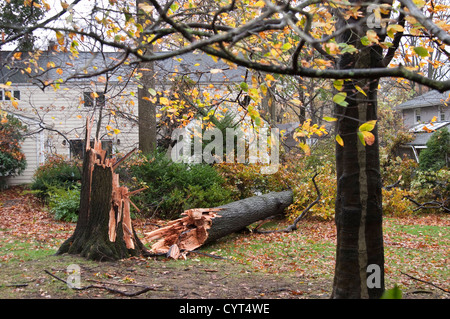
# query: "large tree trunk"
{"type": "Point", "coordinates": [358, 203]}
{"type": "Point", "coordinates": [202, 226]}
{"type": "Point", "coordinates": [146, 108]}
{"type": "Point", "coordinates": [103, 230]}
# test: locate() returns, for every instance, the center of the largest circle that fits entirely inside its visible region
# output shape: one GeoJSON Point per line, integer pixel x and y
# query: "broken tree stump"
{"type": "Point", "coordinates": [201, 226]}
{"type": "Point", "coordinates": [104, 230]}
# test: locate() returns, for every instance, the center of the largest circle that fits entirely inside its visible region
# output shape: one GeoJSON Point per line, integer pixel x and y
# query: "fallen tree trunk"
{"type": "Point", "coordinates": [201, 226]}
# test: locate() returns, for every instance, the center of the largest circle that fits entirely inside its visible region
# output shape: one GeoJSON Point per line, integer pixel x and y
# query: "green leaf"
{"type": "Point", "coordinates": [258, 121]}
{"type": "Point", "coordinates": [286, 46]}
{"type": "Point", "coordinates": [365, 40]}
{"type": "Point", "coordinates": [338, 84]}
{"type": "Point", "coordinates": [330, 119]}
{"type": "Point", "coordinates": [152, 91]}
{"type": "Point", "coordinates": [368, 126]}
{"type": "Point", "coordinates": [361, 138]}
{"type": "Point", "coordinates": [244, 86]}
{"type": "Point", "coordinates": [421, 51]}
{"type": "Point", "coordinates": [340, 99]}
{"type": "Point", "coordinates": [347, 48]}
{"type": "Point", "coordinates": [394, 293]}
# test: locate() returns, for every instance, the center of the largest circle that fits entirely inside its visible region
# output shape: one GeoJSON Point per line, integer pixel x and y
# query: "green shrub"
{"type": "Point", "coordinates": [56, 172]}
{"type": "Point", "coordinates": [12, 159]}
{"type": "Point", "coordinates": [64, 203]}
{"type": "Point", "coordinates": [174, 187]}
{"type": "Point", "coordinates": [434, 157]}
{"type": "Point", "coordinates": [430, 186]}
{"type": "Point", "coordinates": [246, 180]}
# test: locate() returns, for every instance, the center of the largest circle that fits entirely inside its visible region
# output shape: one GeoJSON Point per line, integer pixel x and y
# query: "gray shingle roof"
{"type": "Point", "coordinates": [430, 98]}
{"type": "Point", "coordinates": [197, 66]}
{"type": "Point", "coordinates": [421, 137]}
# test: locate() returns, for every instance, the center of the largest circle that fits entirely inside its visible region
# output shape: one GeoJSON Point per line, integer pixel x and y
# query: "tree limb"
{"type": "Point", "coordinates": [426, 282]}
{"type": "Point", "coordinates": [434, 204]}
{"type": "Point", "coordinates": [123, 293]}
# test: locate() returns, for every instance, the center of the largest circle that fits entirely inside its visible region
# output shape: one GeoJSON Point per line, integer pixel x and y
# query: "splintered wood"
{"type": "Point", "coordinates": [183, 234]}
{"type": "Point", "coordinates": [120, 211]}
{"type": "Point", "coordinates": [120, 203]}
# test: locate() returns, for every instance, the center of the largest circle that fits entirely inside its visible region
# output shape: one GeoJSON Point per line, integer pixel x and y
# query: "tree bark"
{"type": "Point", "coordinates": [146, 108]}
{"type": "Point", "coordinates": [235, 216]}
{"type": "Point", "coordinates": [358, 215]}
{"type": "Point", "coordinates": [103, 230]}
{"type": "Point", "coordinates": [205, 225]}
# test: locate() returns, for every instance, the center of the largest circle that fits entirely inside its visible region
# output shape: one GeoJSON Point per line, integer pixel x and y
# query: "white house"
{"type": "Point", "coordinates": [56, 114]}
{"type": "Point", "coordinates": [423, 115]}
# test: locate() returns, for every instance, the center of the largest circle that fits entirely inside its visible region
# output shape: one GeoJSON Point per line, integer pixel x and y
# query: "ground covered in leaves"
{"type": "Point", "coordinates": [298, 265]}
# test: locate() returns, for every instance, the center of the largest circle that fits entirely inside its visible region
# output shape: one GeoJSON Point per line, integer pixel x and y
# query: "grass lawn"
{"type": "Point", "coordinates": [278, 265]}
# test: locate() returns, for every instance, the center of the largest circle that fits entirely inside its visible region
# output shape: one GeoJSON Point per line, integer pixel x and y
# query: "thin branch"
{"type": "Point", "coordinates": [123, 293]}
{"type": "Point", "coordinates": [426, 282]}
{"type": "Point", "coordinates": [426, 22]}
{"type": "Point", "coordinates": [434, 205]}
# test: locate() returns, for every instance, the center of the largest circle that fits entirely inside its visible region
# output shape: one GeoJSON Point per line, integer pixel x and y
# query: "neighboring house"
{"type": "Point", "coordinates": [423, 115]}
{"type": "Point", "coordinates": [56, 117]}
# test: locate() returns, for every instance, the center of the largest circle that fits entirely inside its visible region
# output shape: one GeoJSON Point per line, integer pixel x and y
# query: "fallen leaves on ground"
{"type": "Point", "coordinates": [308, 252]}
{"type": "Point", "coordinates": [23, 216]}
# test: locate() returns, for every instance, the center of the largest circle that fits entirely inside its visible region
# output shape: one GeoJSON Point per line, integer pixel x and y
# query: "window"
{"type": "Point", "coordinates": [92, 99]}
{"type": "Point", "coordinates": [441, 115]}
{"type": "Point", "coordinates": [417, 115]}
{"type": "Point", "coordinates": [5, 95]}
{"type": "Point", "coordinates": [78, 148]}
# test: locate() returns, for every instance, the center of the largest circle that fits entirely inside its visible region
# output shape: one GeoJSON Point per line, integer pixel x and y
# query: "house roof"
{"type": "Point", "coordinates": [428, 126]}
{"type": "Point", "coordinates": [430, 98]}
{"type": "Point", "coordinates": [422, 136]}
{"type": "Point", "coordinates": [198, 66]}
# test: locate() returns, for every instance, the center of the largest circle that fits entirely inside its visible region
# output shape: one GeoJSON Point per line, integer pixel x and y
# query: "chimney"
{"type": "Point", "coordinates": [51, 45]}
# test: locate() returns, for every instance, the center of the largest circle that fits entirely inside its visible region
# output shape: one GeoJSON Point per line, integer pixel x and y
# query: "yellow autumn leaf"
{"type": "Point", "coordinates": [108, 127]}
{"type": "Point", "coordinates": [269, 77]}
{"type": "Point", "coordinates": [360, 90]}
{"type": "Point", "coordinates": [368, 126]}
{"type": "Point", "coordinates": [305, 148]}
{"type": "Point", "coordinates": [116, 131]}
{"type": "Point", "coordinates": [419, 3]}
{"type": "Point", "coordinates": [339, 140]}
{"type": "Point", "coordinates": [163, 100]}
{"type": "Point", "coordinates": [372, 36]}
{"type": "Point", "coordinates": [260, 4]}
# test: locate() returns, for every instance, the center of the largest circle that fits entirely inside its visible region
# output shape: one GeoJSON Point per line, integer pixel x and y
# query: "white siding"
{"type": "Point", "coordinates": [63, 113]}
{"type": "Point", "coordinates": [31, 149]}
